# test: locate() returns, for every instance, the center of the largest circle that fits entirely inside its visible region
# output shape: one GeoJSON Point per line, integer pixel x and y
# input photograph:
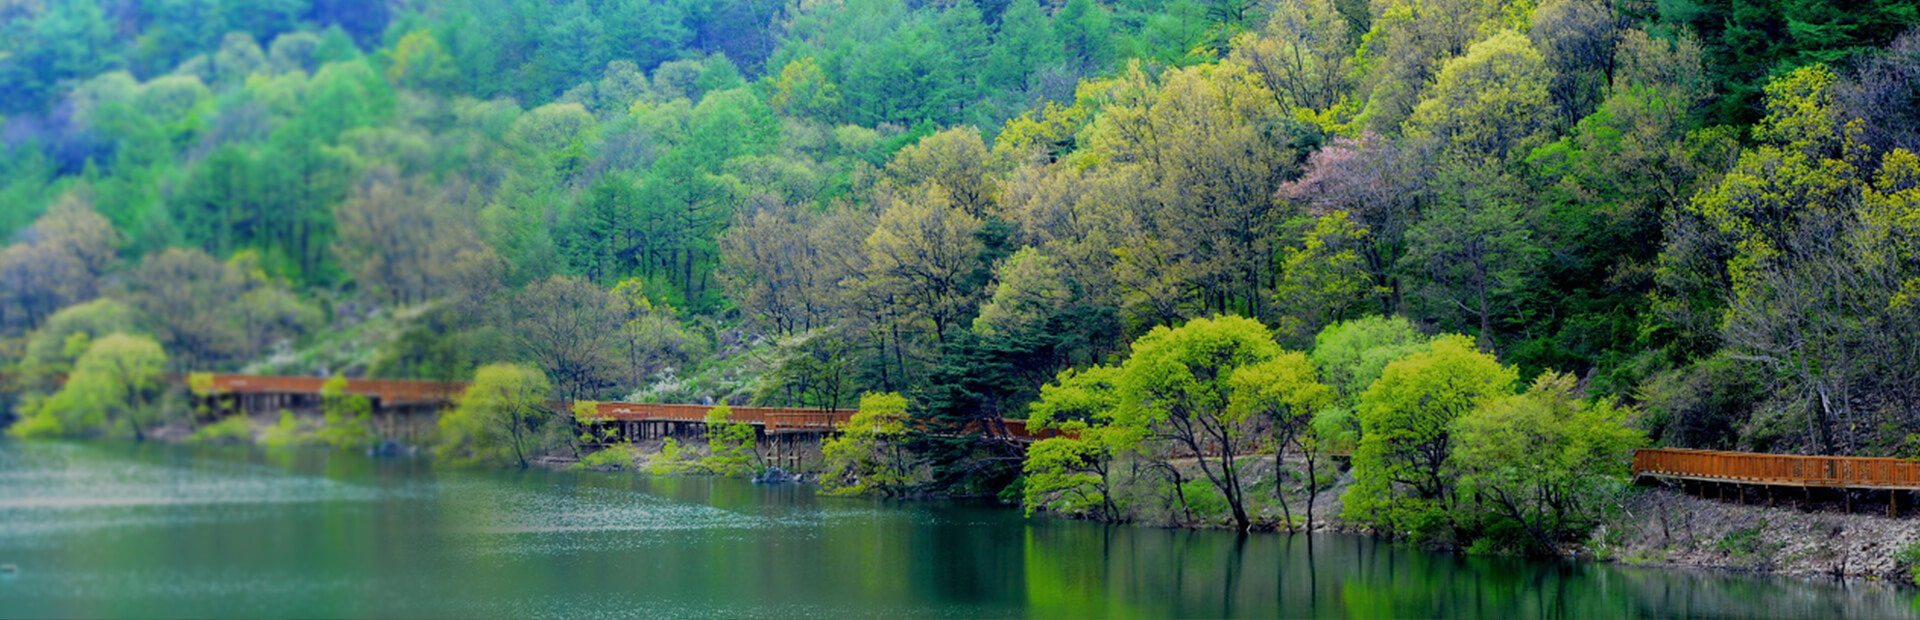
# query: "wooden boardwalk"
{"type": "Point", "coordinates": [385, 392]}
{"type": "Point", "coordinates": [1747, 468]}
{"type": "Point", "coordinates": [417, 393]}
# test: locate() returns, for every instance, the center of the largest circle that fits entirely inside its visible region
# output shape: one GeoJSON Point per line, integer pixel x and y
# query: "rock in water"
{"type": "Point", "coordinates": [387, 449]}
{"type": "Point", "coordinates": [773, 475]}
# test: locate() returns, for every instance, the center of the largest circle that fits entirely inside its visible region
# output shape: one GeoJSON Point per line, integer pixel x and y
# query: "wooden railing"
{"type": "Point", "coordinates": [1778, 469]}
{"type": "Point", "coordinates": [389, 391]}
{"type": "Point", "coordinates": [807, 420]}
{"type": "Point", "coordinates": [773, 419]}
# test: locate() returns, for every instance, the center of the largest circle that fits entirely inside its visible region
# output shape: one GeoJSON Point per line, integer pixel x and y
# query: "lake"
{"type": "Point", "coordinates": [113, 529]}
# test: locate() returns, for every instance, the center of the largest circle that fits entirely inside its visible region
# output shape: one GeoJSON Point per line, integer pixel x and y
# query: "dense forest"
{"type": "Point", "coordinates": [1700, 218]}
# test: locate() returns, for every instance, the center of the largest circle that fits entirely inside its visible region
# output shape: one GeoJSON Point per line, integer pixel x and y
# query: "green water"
{"type": "Point", "coordinates": [106, 530]}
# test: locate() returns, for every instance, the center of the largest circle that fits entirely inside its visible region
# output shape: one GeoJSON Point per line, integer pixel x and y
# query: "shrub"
{"type": "Point", "coordinates": [672, 459]}
{"type": "Point", "coordinates": [1908, 561]}
{"type": "Point", "coordinates": [233, 429]}
{"type": "Point", "coordinates": [612, 457]}
{"type": "Point", "coordinates": [285, 432]}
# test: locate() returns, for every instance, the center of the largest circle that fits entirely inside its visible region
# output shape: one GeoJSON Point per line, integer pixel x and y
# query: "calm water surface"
{"type": "Point", "coordinates": [107, 530]}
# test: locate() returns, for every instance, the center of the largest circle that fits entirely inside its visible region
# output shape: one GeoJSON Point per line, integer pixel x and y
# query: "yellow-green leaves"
{"type": "Point", "coordinates": [498, 418]}
{"type": "Point", "coordinates": [1545, 460]}
{"type": "Point", "coordinates": [1491, 102]}
{"type": "Point", "coordinates": [1800, 110]}
{"type": "Point", "coordinates": [1323, 276]}
{"type": "Point", "coordinates": [802, 89]}
{"type": "Point", "coordinates": [869, 457]}
{"type": "Point", "coordinates": [1031, 287]}
{"type": "Point", "coordinates": [731, 449]}
{"type": "Point", "coordinates": [112, 389]}
{"type": "Point", "coordinates": [348, 417]}
{"type": "Point", "coordinates": [1401, 475]}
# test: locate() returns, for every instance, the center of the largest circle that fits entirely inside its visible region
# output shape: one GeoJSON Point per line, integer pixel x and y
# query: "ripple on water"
{"type": "Point", "coordinates": [50, 489]}
{"type": "Point", "coordinates": [490, 519]}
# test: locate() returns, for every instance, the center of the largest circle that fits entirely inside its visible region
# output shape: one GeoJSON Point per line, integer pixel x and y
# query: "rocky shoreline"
{"type": "Point", "coordinates": [1657, 526]}
{"type": "Point", "coordinates": [1665, 527]}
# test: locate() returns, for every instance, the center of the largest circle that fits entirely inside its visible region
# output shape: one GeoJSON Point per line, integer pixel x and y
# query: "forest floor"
{"type": "Point", "coordinates": [1665, 527]}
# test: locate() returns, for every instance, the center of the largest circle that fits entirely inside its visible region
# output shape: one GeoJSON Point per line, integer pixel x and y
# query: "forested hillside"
{"type": "Point", "coordinates": [1706, 208]}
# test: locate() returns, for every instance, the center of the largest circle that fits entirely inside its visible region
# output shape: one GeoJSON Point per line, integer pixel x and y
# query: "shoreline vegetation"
{"type": "Point", "coordinates": [1429, 269]}
{"type": "Point", "coordinates": [1121, 456]}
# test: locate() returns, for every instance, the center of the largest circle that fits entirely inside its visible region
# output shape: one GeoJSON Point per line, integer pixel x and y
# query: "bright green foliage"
{"type": "Point", "coordinates": [499, 418]}
{"type": "Point", "coordinates": [1287, 393]}
{"type": "Point", "coordinates": [52, 349]}
{"type": "Point", "coordinates": [285, 432]}
{"type": "Point", "coordinates": [232, 429]}
{"type": "Point", "coordinates": [1285, 389]}
{"type": "Point", "coordinates": [113, 389]}
{"type": "Point", "coordinates": [348, 418]}
{"type": "Point", "coordinates": [1185, 385]}
{"type": "Point", "coordinates": [672, 459]}
{"type": "Point", "coordinates": [592, 424]}
{"type": "Point", "coordinates": [802, 89]}
{"type": "Point", "coordinates": [611, 457]}
{"type": "Point", "coordinates": [1069, 474]}
{"type": "Point", "coordinates": [1403, 476]}
{"type": "Point", "coordinates": [1351, 354]}
{"type": "Point", "coordinates": [1031, 289]}
{"type": "Point", "coordinates": [1810, 242]}
{"type": "Point", "coordinates": [732, 449]}
{"type": "Point", "coordinates": [1908, 557]}
{"type": "Point", "coordinates": [420, 61]}
{"type": "Point", "coordinates": [1543, 467]}
{"type": "Point", "coordinates": [870, 456]}
{"type": "Point", "coordinates": [1491, 102]}
{"type": "Point", "coordinates": [1323, 277]}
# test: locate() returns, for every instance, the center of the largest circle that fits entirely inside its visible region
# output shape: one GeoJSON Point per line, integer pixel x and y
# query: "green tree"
{"type": "Point", "coordinates": [1810, 239]}
{"type": "Point", "coordinates": [499, 418]}
{"type": "Point", "coordinates": [731, 447]}
{"type": "Point", "coordinates": [870, 457]}
{"type": "Point", "coordinates": [802, 89]}
{"type": "Point", "coordinates": [1322, 278]}
{"type": "Point", "coordinates": [51, 350]}
{"type": "Point", "coordinates": [955, 160]}
{"type": "Point", "coordinates": [1072, 473]}
{"type": "Point", "coordinates": [1286, 393]}
{"type": "Point", "coordinates": [1031, 287]}
{"type": "Point", "coordinates": [1403, 478]}
{"type": "Point", "coordinates": [113, 388]}
{"type": "Point", "coordinates": [1351, 354]}
{"type": "Point", "coordinates": [1545, 462]}
{"type": "Point", "coordinates": [920, 256]}
{"type": "Point", "coordinates": [1180, 384]}
{"type": "Point", "coordinates": [348, 417]}
{"type": "Point", "coordinates": [419, 61]}
{"type": "Point", "coordinates": [1475, 253]}
{"type": "Point", "coordinates": [1492, 102]}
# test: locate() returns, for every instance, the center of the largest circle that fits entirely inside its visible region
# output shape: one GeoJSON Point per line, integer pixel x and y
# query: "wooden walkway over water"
{"type": "Point", "coordinates": [404, 393]}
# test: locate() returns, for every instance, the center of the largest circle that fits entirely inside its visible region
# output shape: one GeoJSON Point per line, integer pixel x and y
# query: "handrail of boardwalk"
{"type": "Point", "coordinates": [1778, 469]}
{"type": "Point", "coordinates": [772, 419]}
{"type": "Point", "coordinates": [390, 391]}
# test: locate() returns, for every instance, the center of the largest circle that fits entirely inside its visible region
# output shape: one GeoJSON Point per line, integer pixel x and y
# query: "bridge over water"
{"type": "Point", "coordinates": [266, 392]}
{"type": "Point", "coordinates": [1743, 473]}
{"type": "Point", "coordinates": [785, 429]}
{"type": "Point", "coordinates": [405, 407]}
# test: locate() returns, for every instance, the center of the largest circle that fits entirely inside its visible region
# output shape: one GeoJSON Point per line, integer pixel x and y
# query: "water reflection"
{"type": "Point", "coordinates": [123, 530]}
